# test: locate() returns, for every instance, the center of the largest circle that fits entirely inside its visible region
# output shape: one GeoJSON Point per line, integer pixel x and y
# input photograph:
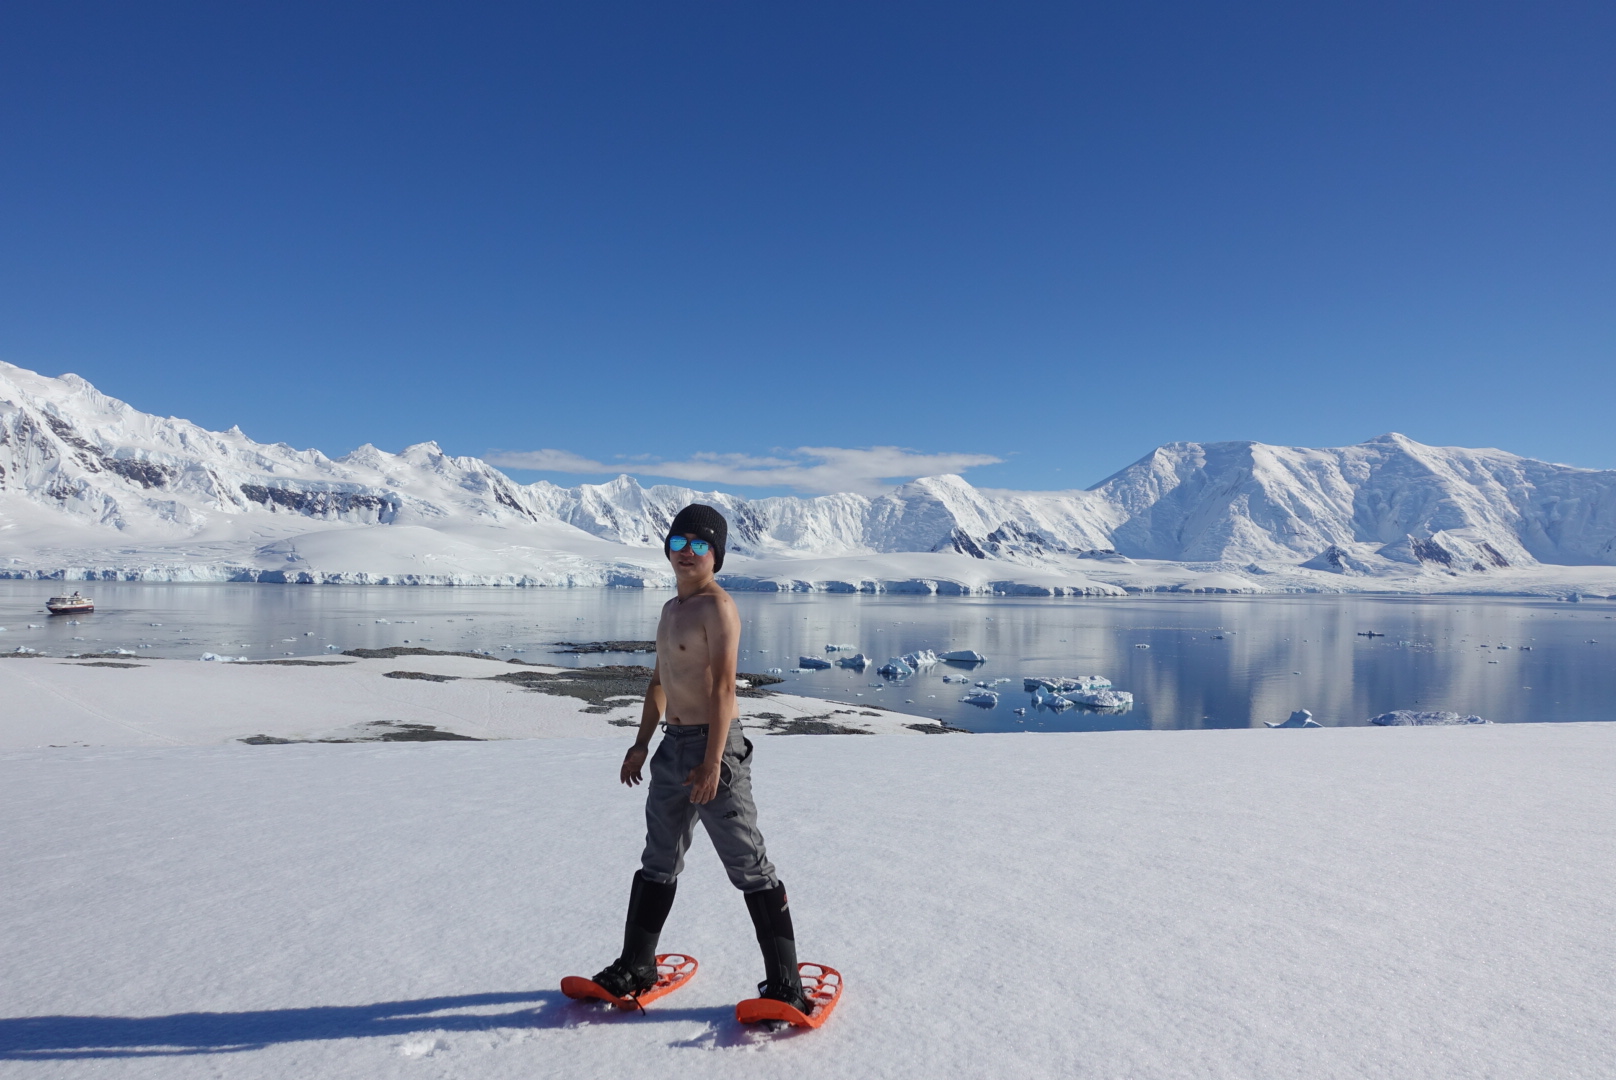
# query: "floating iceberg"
{"type": "Point", "coordinates": [812, 662]}
{"type": "Point", "coordinates": [1045, 698]}
{"type": "Point", "coordinates": [1063, 685]}
{"type": "Point", "coordinates": [839, 648]}
{"type": "Point", "coordinates": [1418, 718]}
{"type": "Point", "coordinates": [223, 659]}
{"type": "Point", "coordinates": [919, 659]}
{"type": "Point", "coordinates": [987, 699]}
{"type": "Point", "coordinates": [1102, 699]}
{"type": "Point", "coordinates": [957, 678]}
{"type": "Point", "coordinates": [895, 667]}
{"type": "Point", "coordinates": [857, 662]}
{"type": "Point", "coordinates": [1299, 718]}
{"type": "Point", "coordinates": [963, 656]}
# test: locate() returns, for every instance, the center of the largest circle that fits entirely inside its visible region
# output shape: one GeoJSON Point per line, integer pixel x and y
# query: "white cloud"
{"type": "Point", "coordinates": [812, 469]}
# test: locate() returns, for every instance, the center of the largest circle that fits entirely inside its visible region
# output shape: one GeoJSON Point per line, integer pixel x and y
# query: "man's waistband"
{"type": "Point", "coordinates": [693, 729]}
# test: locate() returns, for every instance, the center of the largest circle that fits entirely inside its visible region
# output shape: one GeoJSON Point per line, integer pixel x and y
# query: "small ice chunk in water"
{"type": "Point", "coordinates": [812, 663]}
{"type": "Point", "coordinates": [963, 656]}
{"type": "Point", "coordinates": [1299, 718]}
{"type": "Point", "coordinates": [986, 699]}
{"type": "Point", "coordinates": [858, 661]}
{"type": "Point", "coordinates": [1423, 718]}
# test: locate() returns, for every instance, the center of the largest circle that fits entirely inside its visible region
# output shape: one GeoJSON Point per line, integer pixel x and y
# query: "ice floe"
{"type": "Point", "coordinates": [1299, 719]}
{"type": "Point", "coordinates": [1420, 718]}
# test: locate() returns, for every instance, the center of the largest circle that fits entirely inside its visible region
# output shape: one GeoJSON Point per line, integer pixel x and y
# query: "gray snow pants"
{"type": "Point", "coordinates": [730, 818]}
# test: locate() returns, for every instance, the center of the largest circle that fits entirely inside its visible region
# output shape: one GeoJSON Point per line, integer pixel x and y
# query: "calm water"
{"type": "Point", "coordinates": [1227, 662]}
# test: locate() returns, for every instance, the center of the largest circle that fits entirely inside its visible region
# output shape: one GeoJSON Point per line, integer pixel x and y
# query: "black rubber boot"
{"type": "Point", "coordinates": [771, 918]}
{"type": "Point", "coordinates": [635, 972]}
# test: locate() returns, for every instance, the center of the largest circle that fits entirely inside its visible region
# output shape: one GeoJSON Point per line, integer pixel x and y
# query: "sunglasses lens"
{"type": "Point", "coordinates": [698, 548]}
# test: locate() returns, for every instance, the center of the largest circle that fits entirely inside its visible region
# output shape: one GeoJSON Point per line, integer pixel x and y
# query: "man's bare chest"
{"type": "Point", "coordinates": [682, 638]}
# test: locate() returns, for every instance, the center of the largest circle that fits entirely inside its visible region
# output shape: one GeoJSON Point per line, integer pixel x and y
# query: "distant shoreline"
{"type": "Point", "coordinates": [1552, 583]}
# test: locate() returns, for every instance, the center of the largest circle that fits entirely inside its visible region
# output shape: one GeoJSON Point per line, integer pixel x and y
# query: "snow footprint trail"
{"type": "Point", "coordinates": [17, 669]}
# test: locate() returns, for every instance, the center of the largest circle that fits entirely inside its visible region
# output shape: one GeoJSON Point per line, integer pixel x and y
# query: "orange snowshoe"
{"type": "Point", "coordinates": [673, 971]}
{"type": "Point", "coordinates": [821, 985]}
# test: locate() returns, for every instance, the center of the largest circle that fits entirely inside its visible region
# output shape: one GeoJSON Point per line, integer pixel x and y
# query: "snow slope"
{"type": "Point", "coordinates": [143, 702]}
{"type": "Point", "coordinates": [90, 487]}
{"type": "Point", "coordinates": [1335, 904]}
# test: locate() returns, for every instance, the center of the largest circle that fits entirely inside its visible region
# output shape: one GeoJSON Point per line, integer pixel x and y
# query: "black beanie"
{"type": "Point", "coordinates": [706, 523]}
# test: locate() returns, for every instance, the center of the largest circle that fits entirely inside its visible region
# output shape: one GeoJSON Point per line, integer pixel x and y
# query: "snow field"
{"type": "Point", "coordinates": [1350, 902]}
{"type": "Point", "coordinates": [58, 702]}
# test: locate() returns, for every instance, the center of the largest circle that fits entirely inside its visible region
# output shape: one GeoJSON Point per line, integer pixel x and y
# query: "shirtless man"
{"type": "Point", "coordinates": [702, 769]}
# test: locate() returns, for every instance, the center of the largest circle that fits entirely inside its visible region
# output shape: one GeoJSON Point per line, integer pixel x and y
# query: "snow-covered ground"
{"type": "Point", "coordinates": [92, 488]}
{"type": "Point", "coordinates": [134, 701]}
{"type": "Point", "coordinates": [1319, 904]}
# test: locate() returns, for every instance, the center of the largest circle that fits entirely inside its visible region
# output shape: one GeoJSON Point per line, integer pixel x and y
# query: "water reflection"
{"type": "Point", "coordinates": [1209, 662]}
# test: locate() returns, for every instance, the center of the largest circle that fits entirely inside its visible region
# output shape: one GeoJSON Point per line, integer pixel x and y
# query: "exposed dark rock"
{"type": "Point", "coordinates": [423, 733]}
{"type": "Point", "coordinates": [385, 731]}
{"type": "Point", "coordinates": [604, 646]}
{"type": "Point", "coordinates": [109, 663]}
{"type": "Point", "coordinates": [1431, 551]}
{"type": "Point", "coordinates": [295, 663]}
{"type": "Point", "coordinates": [148, 474]}
{"type": "Point", "coordinates": [597, 685]}
{"type": "Point", "coordinates": [393, 652]}
{"type": "Point", "coordinates": [810, 725]}
{"type": "Point", "coordinates": [594, 685]}
{"type": "Point", "coordinates": [326, 504]}
{"type": "Point", "coordinates": [422, 675]}
{"type": "Point", "coordinates": [939, 728]}
{"type": "Point", "coordinates": [959, 540]}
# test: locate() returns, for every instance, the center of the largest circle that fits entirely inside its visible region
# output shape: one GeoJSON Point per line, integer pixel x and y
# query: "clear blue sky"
{"type": "Point", "coordinates": [1053, 234]}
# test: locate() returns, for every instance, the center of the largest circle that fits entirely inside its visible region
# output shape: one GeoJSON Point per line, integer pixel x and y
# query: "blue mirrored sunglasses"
{"type": "Point", "coordinates": [698, 548]}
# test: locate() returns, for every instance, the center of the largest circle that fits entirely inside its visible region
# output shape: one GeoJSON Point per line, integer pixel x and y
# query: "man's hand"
{"type": "Point", "coordinates": [703, 783]}
{"type": "Point", "coordinates": [633, 762]}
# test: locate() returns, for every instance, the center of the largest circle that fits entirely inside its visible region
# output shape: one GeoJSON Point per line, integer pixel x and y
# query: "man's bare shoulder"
{"type": "Point", "coordinates": [711, 601]}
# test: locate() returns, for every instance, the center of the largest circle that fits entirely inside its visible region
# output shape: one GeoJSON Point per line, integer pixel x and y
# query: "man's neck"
{"type": "Point", "coordinates": [692, 586]}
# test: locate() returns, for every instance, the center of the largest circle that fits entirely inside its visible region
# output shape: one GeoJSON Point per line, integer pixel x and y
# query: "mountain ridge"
{"type": "Point", "coordinates": [82, 472]}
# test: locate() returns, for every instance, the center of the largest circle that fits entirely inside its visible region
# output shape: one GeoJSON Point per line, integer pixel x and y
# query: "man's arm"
{"type": "Point", "coordinates": [656, 700]}
{"type": "Point", "coordinates": [723, 626]}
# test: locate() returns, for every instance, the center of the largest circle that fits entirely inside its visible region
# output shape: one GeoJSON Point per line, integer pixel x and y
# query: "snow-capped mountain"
{"type": "Point", "coordinates": [90, 486]}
